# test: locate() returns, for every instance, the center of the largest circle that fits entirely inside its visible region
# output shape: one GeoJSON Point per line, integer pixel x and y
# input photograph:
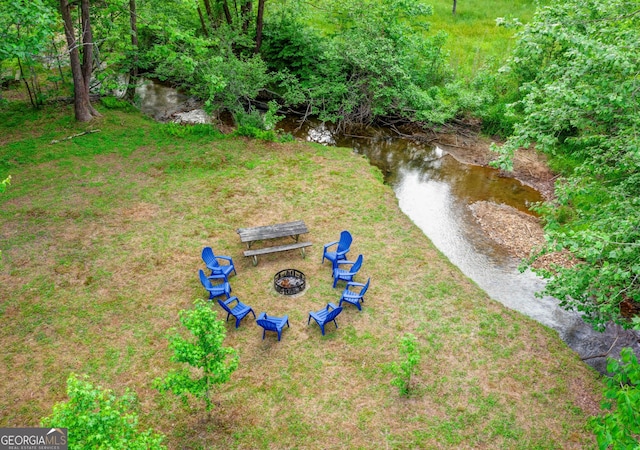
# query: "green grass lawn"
{"type": "Point", "coordinates": [475, 41]}
{"type": "Point", "coordinates": [101, 238]}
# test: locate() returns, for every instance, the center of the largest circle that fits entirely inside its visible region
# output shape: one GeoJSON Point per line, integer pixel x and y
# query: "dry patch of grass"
{"type": "Point", "coordinates": [101, 252]}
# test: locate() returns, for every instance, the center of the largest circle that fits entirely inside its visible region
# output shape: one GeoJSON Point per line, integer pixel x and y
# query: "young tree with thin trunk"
{"type": "Point", "coordinates": [133, 20]}
{"type": "Point", "coordinates": [227, 12]}
{"type": "Point", "coordinates": [81, 69]}
{"type": "Point", "coordinates": [202, 21]}
{"type": "Point", "coordinates": [259, 25]}
{"type": "Point", "coordinates": [209, 362]}
{"type": "Point", "coordinates": [245, 12]}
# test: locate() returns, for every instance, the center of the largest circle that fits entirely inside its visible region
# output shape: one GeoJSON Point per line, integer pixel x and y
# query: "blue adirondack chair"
{"type": "Point", "coordinates": [272, 323]}
{"type": "Point", "coordinates": [347, 274]}
{"type": "Point", "coordinates": [352, 296]}
{"type": "Point", "coordinates": [215, 290]}
{"type": "Point", "coordinates": [239, 311]}
{"type": "Point", "coordinates": [325, 315]}
{"type": "Point", "coordinates": [214, 265]}
{"type": "Point", "coordinates": [342, 248]}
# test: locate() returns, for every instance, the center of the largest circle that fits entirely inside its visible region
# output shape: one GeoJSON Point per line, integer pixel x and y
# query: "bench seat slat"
{"type": "Point", "coordinates": [278, 248]}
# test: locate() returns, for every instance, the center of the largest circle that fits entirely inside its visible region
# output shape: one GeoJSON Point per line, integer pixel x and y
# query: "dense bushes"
{"type": "Point", "coordinates": [580, 105]}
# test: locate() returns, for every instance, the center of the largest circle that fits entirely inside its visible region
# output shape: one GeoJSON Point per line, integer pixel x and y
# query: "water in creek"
{"type": "Point", "coordinates": [435, 190]}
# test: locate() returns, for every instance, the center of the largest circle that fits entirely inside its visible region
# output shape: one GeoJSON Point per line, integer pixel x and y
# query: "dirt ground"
{"type": "Point", "coordinates": [517, 232]}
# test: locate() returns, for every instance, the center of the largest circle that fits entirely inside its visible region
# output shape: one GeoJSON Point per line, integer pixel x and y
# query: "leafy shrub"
{"type": "Point", "coordinates": [98, 419]}
{"type": "Point", "coordinates": [579, 105]}
{"type": "Point", "coordinates": [116, 103]}
{"type": "Point", "coordinates": [403, 371]}
{"type": "Point", "coordinates": [4, 183]}
{"type": "Point", "coordinates": [198, 129]}
{"type": "Point", "coordinates": [256, 133]}
{"type": "Point", "coordinates": [619, 428]}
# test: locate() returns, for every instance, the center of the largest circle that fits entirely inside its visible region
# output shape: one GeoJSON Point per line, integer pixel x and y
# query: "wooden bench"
{"type": "Point", "coordinates": [277, 248]}
{"type": "Point", "coordinates": [279, 230]}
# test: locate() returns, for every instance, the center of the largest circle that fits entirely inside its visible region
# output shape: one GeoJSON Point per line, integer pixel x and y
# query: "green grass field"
{"type": "Point", "coordinates": [101, 237]}
{"type": "Point", "coordinates": [475, 41]}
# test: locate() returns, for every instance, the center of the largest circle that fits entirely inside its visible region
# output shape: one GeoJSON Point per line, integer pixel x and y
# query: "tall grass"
{"type": "Point", "coordinates": [475, 40]}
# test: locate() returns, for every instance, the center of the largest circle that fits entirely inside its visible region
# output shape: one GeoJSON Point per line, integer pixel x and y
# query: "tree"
{"type": "Point", "coordinates": [133, 20]}
{"type": "Point", "coordinates": [619, 428]}
{"type": "Point", "coordinates": [577, 63]}
{"type": "Point", "coordinates": [81, 70]}
{"type": "Point", "coordinates": [98, 419]}
{"type": "Point", "coordinates": [25, 29]}
{"type": "Point", "coordinates": [403, 371]}
{"type": "Point", "coordinates": [203, 352]}
{"type": "Point", "coordinates": [259, 25]}
{"type": "Point", "coordinates": [455, 3]}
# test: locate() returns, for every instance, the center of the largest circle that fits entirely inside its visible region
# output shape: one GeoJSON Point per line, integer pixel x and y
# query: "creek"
{"type": "Point", "coordinates": [435, 190]}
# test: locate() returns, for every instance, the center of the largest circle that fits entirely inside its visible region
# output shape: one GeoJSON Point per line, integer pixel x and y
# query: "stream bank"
{"type": "Point", "coordinates": [477, 216]}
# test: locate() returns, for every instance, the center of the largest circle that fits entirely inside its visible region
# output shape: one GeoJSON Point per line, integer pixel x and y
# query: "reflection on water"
{"type": "Point", "coordinates": [156, 99]}
{"type": "Point", "coordinates": [435, 190]}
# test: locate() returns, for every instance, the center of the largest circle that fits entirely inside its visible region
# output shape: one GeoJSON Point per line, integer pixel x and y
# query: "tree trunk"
{"type": "Point", "coordinates": [133, 19]}
{"type": "Point", "coordinates": [26, 84]}
{"type": "Point", "coordinates": [227, 12]}
{"type": "Point", "coordinates": [455, 3]}
{"type": "Point", "coordinates": [202, 22]}
{"type": "Point", "coordinates": [87, 50]}
{"type": "Point", "coordinates": [133, 70]}
{"type": "Point", "coordinates": [82, 103]}
{"type": "Point", "coordinates": [245, 12]}
{"type": "Point", "coordinates": [207, 8]}
{"type": "Point", "coordinates": [259, 23]}
{"type": "Point", "coordinates": [55, 48]}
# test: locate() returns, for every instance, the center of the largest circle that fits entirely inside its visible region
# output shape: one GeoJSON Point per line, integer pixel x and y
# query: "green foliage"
{"type": "Point", "coordinates": [209, 362]}
{"type": "Point", "coordinates": [116, 103]}
{"type": "Point", "coordinates": [579, 104]}
{"type": "Point", "coordinates": [410, 354]}
{"type": "Point", "coordinates": [271, 117]}
{"type": "Point", "coordinates": [619, 428]}
{"type": "Point", "coordinates": [383, 63]}
{"type": "Point", "coordinates": [256, 133]}
{"type": "Point", "coordinates": [98, 419]}
{"type": "Point", "coordinates": [25, 30]}
{"type": "Point", "coordinates": [4, 183]}
{"type": "Point", "coordinates": [373, 58]}
{"type": "Point", "coordinates": [199, 129]}
{"type": "Point", "coordinates": [259, 125]}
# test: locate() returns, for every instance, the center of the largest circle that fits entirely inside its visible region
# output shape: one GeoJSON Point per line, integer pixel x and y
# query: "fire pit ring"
{"type": "Point", "coordinates": [289, 282]}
